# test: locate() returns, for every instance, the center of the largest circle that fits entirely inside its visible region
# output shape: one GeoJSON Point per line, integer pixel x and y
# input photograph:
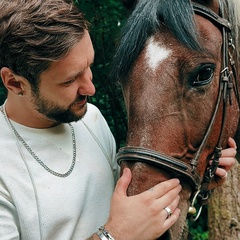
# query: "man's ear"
{"type": "Point", "coordinates": [12, 82]}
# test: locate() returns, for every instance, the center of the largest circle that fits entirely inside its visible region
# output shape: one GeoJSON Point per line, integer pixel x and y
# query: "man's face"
{"type": "Point", "coordinates": [64, 87]}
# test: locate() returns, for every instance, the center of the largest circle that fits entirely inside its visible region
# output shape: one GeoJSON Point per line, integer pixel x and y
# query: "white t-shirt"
{"type": "Point", "coordinates": [35, 204]}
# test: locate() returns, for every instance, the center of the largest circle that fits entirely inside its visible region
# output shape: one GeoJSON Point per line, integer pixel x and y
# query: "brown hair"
{"type": "Point", "coordinates": [34, 33]}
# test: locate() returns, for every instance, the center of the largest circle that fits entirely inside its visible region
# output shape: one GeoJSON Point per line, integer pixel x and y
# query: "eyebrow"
{"type": "Point", "coordinates": [75, 75]}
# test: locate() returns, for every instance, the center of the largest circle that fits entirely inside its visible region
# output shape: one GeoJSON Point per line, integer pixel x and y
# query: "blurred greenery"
{"type": "Point", "coordinates": [106, 18]}
{"type": "Point", "coordinates": [3, 92]}
{"type": "Point", "coordinates": [198, 230]}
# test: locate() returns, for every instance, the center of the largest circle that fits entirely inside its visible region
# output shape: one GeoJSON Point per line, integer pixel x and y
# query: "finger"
{"type": "Point", "coordinates": [168, 198]}
{"type": "Point", "coordinates": [170, 208]}
{"type": "Point", "coordinates": [123, 182]}
{"type": "Point", "coordinates": [167, 220]}
{"type": "Point", "coordinates": [232, 143]}
{"type": "Point", "coordinates": [162, 188]}
{"type": "Point", "coordinates": [229, 152]}
{"type": "Point", "coordinates": [219, 178]}
{"type": "Point", "coordinates": [171, 220]}
{"type": "Point", "coordinates": [221, 173]}
{"type": "Point", "coordinates": [226, 163]}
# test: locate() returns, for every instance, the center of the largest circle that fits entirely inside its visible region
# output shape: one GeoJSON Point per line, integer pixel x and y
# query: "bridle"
{"type": "Point", "coordinates": [228, 82]}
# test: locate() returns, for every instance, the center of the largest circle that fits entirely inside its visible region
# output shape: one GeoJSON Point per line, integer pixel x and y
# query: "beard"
{"type": "Point", "coordinates": [57, 113]}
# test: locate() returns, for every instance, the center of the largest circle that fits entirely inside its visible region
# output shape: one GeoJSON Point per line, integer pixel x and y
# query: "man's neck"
{"type": "Point", "coordinates": [25, 115]}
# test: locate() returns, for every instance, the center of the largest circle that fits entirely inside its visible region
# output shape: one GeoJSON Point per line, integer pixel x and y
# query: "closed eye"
{"type": "Point", "coordinates": [69, 82]}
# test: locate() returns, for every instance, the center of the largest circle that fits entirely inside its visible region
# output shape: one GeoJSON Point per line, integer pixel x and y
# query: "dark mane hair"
{"type": "Point", "coordinates": [147, 18]}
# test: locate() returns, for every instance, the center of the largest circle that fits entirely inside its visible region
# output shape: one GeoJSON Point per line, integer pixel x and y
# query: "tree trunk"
{"type": "Point", "coordinates": [224, 209]}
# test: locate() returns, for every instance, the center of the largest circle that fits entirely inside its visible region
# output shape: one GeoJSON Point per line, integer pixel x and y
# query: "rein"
{"type": "Point", "coordinates": [188, 171]}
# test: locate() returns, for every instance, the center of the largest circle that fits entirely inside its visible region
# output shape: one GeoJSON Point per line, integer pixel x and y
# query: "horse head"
{"type": "Point", "coordinates": [178, 67]}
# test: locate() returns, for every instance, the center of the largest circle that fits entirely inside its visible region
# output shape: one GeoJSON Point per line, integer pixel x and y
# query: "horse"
{"type": "Point", "coordinates": [177, 63]}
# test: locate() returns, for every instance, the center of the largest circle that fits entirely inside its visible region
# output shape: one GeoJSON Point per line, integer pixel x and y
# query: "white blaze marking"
{"type": "Point", "coordinates": [155, 54]}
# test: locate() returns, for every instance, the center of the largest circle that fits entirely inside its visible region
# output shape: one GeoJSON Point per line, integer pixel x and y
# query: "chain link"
{"type": "Point", "coordinates": [63, 175]}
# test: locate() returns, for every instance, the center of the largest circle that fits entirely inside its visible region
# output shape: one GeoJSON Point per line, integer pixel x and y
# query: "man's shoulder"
{"type": "Point", "coordinates": [94, 118]}
{"type": "Point", "coordinates": [93, 113]}
{"type": "Point", "coordinates": [92, 109]}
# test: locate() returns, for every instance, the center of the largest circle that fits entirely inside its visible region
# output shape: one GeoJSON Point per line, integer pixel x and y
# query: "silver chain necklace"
{"type": "Point", "coordinates": [63, 175]}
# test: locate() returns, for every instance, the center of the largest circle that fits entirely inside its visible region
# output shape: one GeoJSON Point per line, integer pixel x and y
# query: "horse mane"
{"type": "Point", "coordinates": [147, 18]}
{"type": "Point", "coordinates": [233, 7]}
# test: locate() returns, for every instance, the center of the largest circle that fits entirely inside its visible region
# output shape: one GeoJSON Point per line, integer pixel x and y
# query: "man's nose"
{"type": "Point", "coordinates": [86, 86]}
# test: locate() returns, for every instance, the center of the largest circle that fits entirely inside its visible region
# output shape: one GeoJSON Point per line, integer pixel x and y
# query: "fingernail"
{"type": "Point", "coordinates": [177, 180]}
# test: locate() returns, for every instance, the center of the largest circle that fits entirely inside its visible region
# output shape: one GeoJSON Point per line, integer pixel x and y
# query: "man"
{"type": "Point", "coordinates": [57, 163]}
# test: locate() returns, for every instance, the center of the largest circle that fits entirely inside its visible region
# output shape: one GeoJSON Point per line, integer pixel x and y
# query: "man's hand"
{"type": "Point", "coordinates": [143, 216]}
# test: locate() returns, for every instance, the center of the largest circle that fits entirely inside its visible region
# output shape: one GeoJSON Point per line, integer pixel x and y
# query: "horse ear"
{"type": "Point", "coordinates": [129, 4]}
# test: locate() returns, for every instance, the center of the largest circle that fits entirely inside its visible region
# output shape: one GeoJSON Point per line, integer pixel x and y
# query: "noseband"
{"type": "Point", "coordinates": [228, 81]}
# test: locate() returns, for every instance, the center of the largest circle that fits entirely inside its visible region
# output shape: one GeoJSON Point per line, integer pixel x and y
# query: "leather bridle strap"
{"type": "Point", "coordinates": [138, 154]}
{"type": "Point", "coordinates": [224, 91]}
{"type": "Point", "coordinates": [210, 15]}
{"type": "Point", "coordinates": [204, 11]}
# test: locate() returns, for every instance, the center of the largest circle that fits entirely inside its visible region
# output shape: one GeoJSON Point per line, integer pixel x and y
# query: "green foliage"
{"type": "Point", "coordinates": [198, 230]}
{"type": "Point", "coordinates": [106, 18]}
{"type": "Point", "coordinates": [3, 92]}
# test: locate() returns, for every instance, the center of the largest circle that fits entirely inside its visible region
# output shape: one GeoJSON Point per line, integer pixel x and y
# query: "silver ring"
{"type": "Point", "coordinates": [169, 212]}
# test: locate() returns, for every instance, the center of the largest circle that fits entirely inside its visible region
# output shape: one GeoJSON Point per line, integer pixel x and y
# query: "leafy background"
{"type": "Point", "coordinates": [106, 18]}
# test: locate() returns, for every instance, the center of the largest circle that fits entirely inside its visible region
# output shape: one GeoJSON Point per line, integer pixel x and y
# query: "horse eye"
{"type": "Point", "coordinates": [204, 76]}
